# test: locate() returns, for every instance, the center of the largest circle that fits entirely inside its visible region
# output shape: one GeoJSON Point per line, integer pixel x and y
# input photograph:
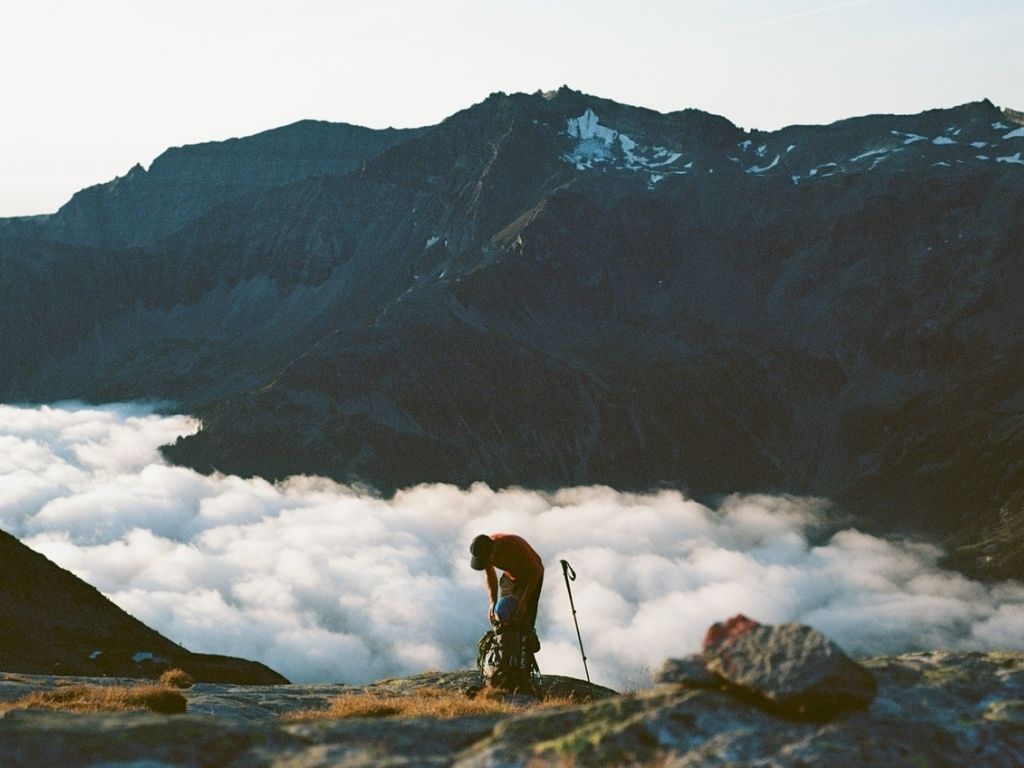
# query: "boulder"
{"type": "Point", "coordinates": [688, 672]}
{"type": "Point", "coordinates": [791, 669]}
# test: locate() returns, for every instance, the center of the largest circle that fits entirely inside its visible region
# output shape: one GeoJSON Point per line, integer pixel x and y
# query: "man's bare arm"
{"type": "Point", "coordinates": [492, 590]}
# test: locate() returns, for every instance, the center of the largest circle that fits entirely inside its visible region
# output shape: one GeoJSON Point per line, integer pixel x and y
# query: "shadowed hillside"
{"type": "Point", "coordinates": [55, 623]}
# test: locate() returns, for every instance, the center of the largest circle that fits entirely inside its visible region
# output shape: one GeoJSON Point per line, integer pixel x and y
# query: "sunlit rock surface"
{"type": "Point", "coordinates": [792, 669]}
{"type": "Point", "coordinates": [933, 709]}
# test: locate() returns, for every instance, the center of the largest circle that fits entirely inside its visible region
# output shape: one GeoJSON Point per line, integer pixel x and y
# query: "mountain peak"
{"type": "Point", "coordinates": [553, 94]}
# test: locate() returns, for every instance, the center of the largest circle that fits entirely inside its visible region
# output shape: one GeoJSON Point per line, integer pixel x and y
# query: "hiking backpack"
{"type": "Point", "coordinates": [504, 660]}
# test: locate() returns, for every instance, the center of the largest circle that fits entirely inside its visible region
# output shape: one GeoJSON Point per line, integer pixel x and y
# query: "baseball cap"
{"type": "Point", "coordinates": [481, 551]}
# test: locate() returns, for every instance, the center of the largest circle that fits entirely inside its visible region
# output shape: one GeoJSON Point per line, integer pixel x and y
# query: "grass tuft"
{"type": "Point", "coordinates": [425, 702]}
{"type": "Point", "coordinates": [102, 698]}
{"type": "Point", "coordinates": [177, 678]}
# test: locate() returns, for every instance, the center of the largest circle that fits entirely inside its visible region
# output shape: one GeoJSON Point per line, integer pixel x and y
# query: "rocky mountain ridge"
{"type": "Point", "coordinates": [556, 289]}
{"type": "Point", "coordinates": [143, 207]}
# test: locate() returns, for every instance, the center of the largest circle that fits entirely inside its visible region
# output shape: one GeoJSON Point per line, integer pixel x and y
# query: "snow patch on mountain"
{"type": "Point", "coordinates": [825, 170]}
{"type": "Point", "coordinates": [672, 157]}
{"type": "Point", "coordinates": [909, 138]}
{"type": "Point", "coordinates": [588, 126]}
{"type": "Point", "coordinates": [763, 168]}
{"type": "Point", "coordinates": [869, 153]}
{"type": "Point", "coordinates": [1014, 158]}
{"type": "Point", "coordinates": [595, 140]}
{"type": "Point", "coordinates": [597, 143]}
{"type": "Point", "coordinates": [882, 158]}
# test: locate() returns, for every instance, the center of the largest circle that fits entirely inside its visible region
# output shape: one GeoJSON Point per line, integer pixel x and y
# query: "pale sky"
{"type": "Point", "coordinates": [90, 88]}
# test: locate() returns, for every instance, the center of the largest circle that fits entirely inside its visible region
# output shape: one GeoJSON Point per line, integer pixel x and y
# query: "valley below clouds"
{"type": "Point", "coordinates": [329, 583]}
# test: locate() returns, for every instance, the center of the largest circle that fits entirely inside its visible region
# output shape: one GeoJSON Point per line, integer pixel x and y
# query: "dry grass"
{"type": "Point", "coordinates": [425, 702]}
{"type": "Point", "coordinates": [9, 677]}
{"type": "Point", "coordinates": [102, 698]}
{"type": "Point", "coordinates": [177, 678]}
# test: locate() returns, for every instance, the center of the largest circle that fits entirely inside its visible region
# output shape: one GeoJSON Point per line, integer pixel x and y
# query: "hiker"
{"type": "Point", "coordinates": [522, 578]}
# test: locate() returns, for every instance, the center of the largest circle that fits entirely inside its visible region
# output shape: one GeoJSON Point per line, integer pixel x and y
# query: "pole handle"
{"type": "Point", "coordinates": [567, 571]}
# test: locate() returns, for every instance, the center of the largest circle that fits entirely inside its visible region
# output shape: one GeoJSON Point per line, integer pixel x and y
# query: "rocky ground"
{"type": "Point", "coordinates": [931, 709]}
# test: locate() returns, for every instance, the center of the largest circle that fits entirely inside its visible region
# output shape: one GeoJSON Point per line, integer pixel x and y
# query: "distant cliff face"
{"type": "Point", "coordinates": [557, 289]}
{"type": "Point", "coordinates": [143, 207]}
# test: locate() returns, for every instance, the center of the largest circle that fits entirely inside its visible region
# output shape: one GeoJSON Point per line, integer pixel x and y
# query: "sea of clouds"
{"type": "Point", "coordinates": [328, 583]}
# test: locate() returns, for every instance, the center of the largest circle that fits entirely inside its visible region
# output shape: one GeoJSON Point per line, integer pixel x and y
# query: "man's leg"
{"type": "Point", "coordinates": [530, 619]}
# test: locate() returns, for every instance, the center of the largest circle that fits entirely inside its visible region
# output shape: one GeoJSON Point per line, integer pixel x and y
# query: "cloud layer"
{"type": "Point", "coordinates": [325, 583]}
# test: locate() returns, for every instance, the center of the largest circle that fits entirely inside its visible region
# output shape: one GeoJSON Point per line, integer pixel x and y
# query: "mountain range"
{"type": "Point", "coordinates": [553, 289]}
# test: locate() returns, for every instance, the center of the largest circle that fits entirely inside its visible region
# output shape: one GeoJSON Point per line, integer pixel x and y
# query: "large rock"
{"type": "Point", "coordinates": [793, 669]}
{"type": "Point", "coordinates": [688, 672]}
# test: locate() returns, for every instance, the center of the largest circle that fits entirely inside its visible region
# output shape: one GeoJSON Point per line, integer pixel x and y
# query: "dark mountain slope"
{"type": "Point", "coordinates": [143, 207]}
{"type": "Point", "coordinates": [551, 289]}
{"type": "Point", "coordinates": [54, 623]}
{"type": "Point", "coordinates": [701, 357]}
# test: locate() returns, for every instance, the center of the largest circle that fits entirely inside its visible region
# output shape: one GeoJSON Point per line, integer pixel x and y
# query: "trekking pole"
{"type": "Point", "coordinates": [570, 575]}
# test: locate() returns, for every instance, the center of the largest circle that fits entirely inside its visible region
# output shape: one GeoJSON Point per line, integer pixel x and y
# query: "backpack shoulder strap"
{"type": "Point", "coordinates": [483, 647]}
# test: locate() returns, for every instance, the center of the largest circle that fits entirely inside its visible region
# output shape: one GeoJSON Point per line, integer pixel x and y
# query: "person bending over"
{"type": "Point", "coordinates": [522, 577]}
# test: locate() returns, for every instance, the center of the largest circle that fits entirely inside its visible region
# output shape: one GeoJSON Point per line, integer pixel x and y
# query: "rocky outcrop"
{"type": "Point", "coordinates": [55, 623]}
{"type": "Point", "coordinates": [933, 709]}
{"type": "Point", "coordinates": [792, 669]}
